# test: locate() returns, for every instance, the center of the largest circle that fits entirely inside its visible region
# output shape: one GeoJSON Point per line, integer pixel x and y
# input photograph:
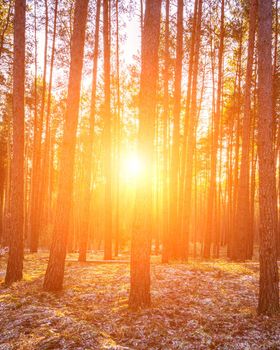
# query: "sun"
{"type": "Point", "coordinates": [131, 167]}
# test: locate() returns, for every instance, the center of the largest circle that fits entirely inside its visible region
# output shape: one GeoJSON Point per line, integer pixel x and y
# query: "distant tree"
{"type": "Point", "coordinates": [242, 225]}
{"type": "Point", "coordinates": [107, 132]}
{"type": "Point", "coordinates": [37, 149]}
{"type": "Point", "coordinates": [55, 270]}
{"type": "Point", "coordinates": [15, 259]}
{"type": "Point", "coordinates": [118, 136]}
{"type": "Point", "coordinates": [89, 142]}
{"type": "Point", "coordinates": [269, 279]}
{"type": "Point", "coordinates": [44, 197]}
{"type": "Point", "coordinates": [210, 219]}
{"type": "Point", "coordinates": [189, 143]}
{"type": "Point", "coordinates": [141, 234]}
{"type": "Point", "coordinates": [166, 239]}
{"type": "Point", "coordinates": [175, 156]}
{"type": "Point", "coordinates": [5, 20]}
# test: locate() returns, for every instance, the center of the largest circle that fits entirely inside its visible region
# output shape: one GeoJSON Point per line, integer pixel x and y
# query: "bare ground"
{"type": "Point", "coordinates": [198, 305]}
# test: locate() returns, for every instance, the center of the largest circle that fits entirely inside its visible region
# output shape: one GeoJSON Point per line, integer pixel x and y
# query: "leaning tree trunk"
{"type": "Point", "coordinates": [15, 259]}
{"type": "Point", "coordinates": [55, 270]}
{"type": "Point", "coordinates": [141, 234]}
{"type": "Point", "coordinates": [269, 288]}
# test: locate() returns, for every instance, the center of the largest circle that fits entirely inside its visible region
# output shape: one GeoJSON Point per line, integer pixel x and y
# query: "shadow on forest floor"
{"type": "Point", "coordinates": [198, 305]}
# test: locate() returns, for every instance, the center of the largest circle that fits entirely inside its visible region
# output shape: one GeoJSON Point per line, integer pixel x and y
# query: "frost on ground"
{"type": "Point", "coordinates": [199, 305]}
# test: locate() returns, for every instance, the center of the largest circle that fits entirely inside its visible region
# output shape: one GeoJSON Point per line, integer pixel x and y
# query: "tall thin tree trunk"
{"type": "Point", "coordinates": [55, 270]}
{"type": "Point", "coordinates": [83, 243]}
{"type": "Point", "coordinates": [118, 137]}
{"type": "Point", "coordinates": [5, 28]}
{"type": "Point", "coordinates": [37, 149]}
{"type": "Point", "coordinates": [2, 183]}
{"type": "Point", "coordinates": [107, 133]}
{"type": "Point", "coordinates": [269, 279]}
{"type": "Point", "coordinates": [141, 234]}
{"type": "Point", "coordinates": [234, 155]}
{"type": "Point", "coordinates": [254, 154]}
{"type": "Point", "coordinates": [191, 141]}
{"type": "Point", "coordinates": [7, 206]}
{"type": "Point", "coordinates": [44, 200]}
{"type": "Point", "coordinates": [217, 117]}
{"type": "Point", "coordinates": [175, 158]}
{"type": "Point", "coordinates": [15, 259]}
{"type": "Point", "coordinates": [166, 244]}
{"type": "Point", "coordinates": [242, 222]}
{"type": "Point", "coordinates": [187, 119]}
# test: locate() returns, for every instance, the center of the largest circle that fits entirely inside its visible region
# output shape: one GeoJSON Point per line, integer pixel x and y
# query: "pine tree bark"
{"type": "Point", "coordinates": [55, 270]}
{"type": "Point", "coordinates": [118, 137]}
{"type": "Point", "coordinates": [242, 222]}
{"type": "Point", "coordinates": [234, 152]}
{"type": "Point", "coordinates": [166, 241]}
{"type": "Point", "coordinates": [107, 133]}
{"type": "Point", "coordinates": [175, 157]}
{"type": "Point", "coordinates": [44, 197]}
{"type": "Point", "coordinates": [269, 279]}
{"type": "Point", "coordinates": [2, 184]}
{"type": "Point", "coordinates": [187, 119]}
{"type": "Point", "coordinates": [217, 117]}
{"type": "Point", "coordinates": [7, 204]}
{"type": "Point", "coordinates": [88, 176]}
{"type": "Point", "coordinates": [37, 149]}
{"type": "Point", "coordinates": [191, 141]}
{"type": "Point", "coordinates": [15, 259]}
{"type": "Point", "coordinates": [5, 28]}
{"type": "Point", "coordinates": [141, 234]}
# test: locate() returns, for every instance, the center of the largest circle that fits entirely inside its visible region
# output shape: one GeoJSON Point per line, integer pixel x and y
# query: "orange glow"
{"type": "Point", "coordinates": [131, 167]}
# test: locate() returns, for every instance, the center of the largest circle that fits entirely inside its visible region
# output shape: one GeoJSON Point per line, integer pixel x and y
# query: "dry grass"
{"type": "Point", "coordinates": [199, 305]}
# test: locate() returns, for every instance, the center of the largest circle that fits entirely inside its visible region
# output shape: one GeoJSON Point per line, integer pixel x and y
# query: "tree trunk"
{"type": "Point", "coordinates": [242, 222]}
{"type": "Point", "coordinates": [191, 141]}
{"type": "Point", "coordinates": [15, 259]}
{"type": "Point", "coordinates": [166, 242]}
{"type": "Point", "coordinates": [175, 157]}
{"type": "Point", "coordinates": [118, 138]}
{"type": "Point", "coordinates": [55, 270]}
{"type": "Point", "coordinates": [107, 133]}
{"type": "Point", "coordinates": [269, 279]}
{"type": "Point", "coordinates": [37, 151]}
{"type": "Point", "coordinates": [187, 120]}
{"type": "Point", "coordinates": [141, 234]}
{"type": "Point", "coordinates": [217, 117]}
{"type": "Point", "coordinates": [88, 176]}
{"type": "Point", "coordinates": [5, 28]}
{"type": "Point", "coordinates": [44, 199]}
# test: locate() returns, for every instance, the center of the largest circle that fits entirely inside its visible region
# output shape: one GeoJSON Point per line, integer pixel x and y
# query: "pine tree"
{"type": "Point", "coordinates": [141, 235]}
{"type": "Point", "coordinates": [55, 270]}
{"type": "Point", "coordinates": [15, 260]}
{"type": "Point", "coordinates": [269, 279]}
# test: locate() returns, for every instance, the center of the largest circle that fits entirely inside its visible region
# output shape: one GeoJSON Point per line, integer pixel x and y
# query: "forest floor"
{"type": "Point", "coordinates": [196, 305]}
